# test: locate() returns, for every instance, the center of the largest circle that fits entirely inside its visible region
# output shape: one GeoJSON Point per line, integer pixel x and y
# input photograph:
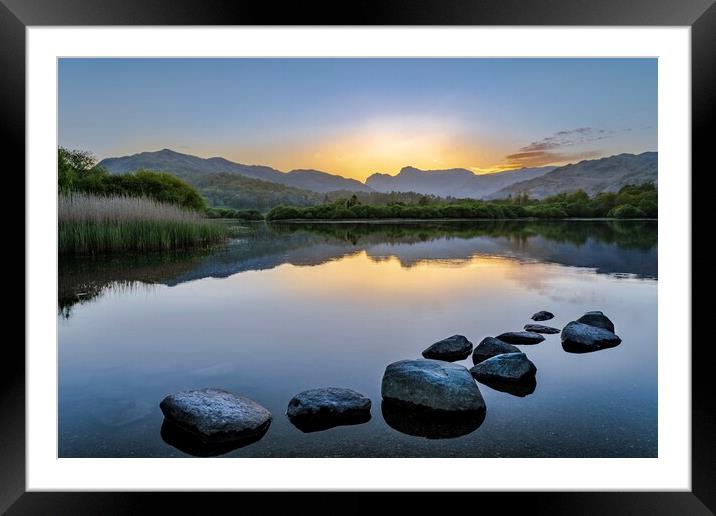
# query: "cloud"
{"type": "Point", "coordinates": [542, 158]}
{"type": "Point", "coordinates": [544, 151]}
{"type": "Point", "coordinates": [567, 138]}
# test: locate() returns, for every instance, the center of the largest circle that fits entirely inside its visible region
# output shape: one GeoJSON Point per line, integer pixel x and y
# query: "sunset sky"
{"type": "Point", "coordinates": [354, 117]}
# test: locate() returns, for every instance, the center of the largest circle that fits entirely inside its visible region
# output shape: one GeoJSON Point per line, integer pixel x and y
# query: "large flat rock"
{"type": "Point", "coordinates": [323, 408]}
{"type": "Point", "coordinates": [431, 384]}
{"type": "Point", "coordinates": [510, 367]}
{"type": "Point", "coordinates": [583, 338]}
{"type": "Point", "coordinates": [216, 415]}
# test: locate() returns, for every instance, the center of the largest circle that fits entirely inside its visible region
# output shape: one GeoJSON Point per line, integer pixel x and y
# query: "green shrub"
{"type": "Point", "coordinates": [78, 172]}
{"type": "Point", "coordinates": [229, 213]}
{"type": "Point", "coordinates": [626, 211]}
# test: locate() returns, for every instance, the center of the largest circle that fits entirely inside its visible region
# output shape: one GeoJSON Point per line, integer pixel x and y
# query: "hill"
{"type": "Point", "coordinates": [192, 167]}
{"type": "Point", "coordinates": [593, 176]}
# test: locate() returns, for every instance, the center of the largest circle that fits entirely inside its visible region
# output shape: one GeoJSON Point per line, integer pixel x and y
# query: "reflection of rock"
{"type": "Point", "coordinates": [433, 424]}
{"type": "Point", "coordinates": [189, 443]}
{"type": "Point", "coordinates": [451, 349]}
{"type": "Point", "coordinates": [521, 389]}
{"type": "Point", "coordinates": [542, 315]}
{"type": "Point", "coordinates": [521, 337]}
{"type": "Point", "coordinates": [320, 409]}
{"type": "Point", "coordinates": [583, 338]}
{"type": "Point", "coordinates": [540, 328]}
{"type": "Point", "coordinates": [432, 384]}
{"type": "Point", "coordinates": [598, 319]}
{"type": "Point", "coordinates": [490, 347]}
{"type": "Point", "coordinates": [119, 413]}
{"type": "Point", "coordinates": [510, 367]}
{"type": "Point", "coordinates": [216, 415]}
{"type": "Point", "coordinates": [309, 424]}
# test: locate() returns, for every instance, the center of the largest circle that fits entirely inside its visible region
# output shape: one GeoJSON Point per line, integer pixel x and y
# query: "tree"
{"type": "Point", "coordinates": [626, 211]}
{"type": "Point", "coordinates": [79, 160]}
{"type": "Point", "coordinates": [78, 172]}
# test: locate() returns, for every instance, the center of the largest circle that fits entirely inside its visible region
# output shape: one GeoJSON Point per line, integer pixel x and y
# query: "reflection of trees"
{"type": "Point", "coordinates": [607, 246]}
{"type": "Point", "coordinates": [640, 235]}
{"type": "Point", "coordinates": [82, 280]}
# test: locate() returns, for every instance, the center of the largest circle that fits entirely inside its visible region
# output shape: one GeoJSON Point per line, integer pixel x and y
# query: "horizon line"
{"type": "Point", "coordinates": [467, 169]}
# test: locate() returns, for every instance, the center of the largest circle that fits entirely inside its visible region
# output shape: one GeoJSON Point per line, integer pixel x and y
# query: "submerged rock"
{"type": "Point", "coordinates": [583, 338]}
{"type": "Point", "coordinates": [490, 347]}
{"type": "Point", "coordinates": [431, 384]}
{"type": "Point", "coordinates": [510, 367]}
{"type": "Point", "coordinates": [431, 424]}
{"type": "Point", "coordinates": [542, 315]}
{"type": "Point", "coordinates": [521, 337]}
{"type": "Point", "coordinates": [541, 328]}
{"type": "Point", "coordinates": [451, 349]}
{"type": "Point", "coordinates": [320, 409]}
{"type": "Point", "coordinates": [216, 415]}
{"type": "Point", "coordinates": [598, 319]}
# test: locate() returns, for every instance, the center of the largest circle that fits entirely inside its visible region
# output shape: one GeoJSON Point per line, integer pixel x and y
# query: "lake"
{"type": "Point", "coordinates": [282, 308]}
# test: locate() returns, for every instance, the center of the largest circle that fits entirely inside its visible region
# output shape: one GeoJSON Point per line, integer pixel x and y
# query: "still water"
{"type": "Point", "coordinates": [285, 308]}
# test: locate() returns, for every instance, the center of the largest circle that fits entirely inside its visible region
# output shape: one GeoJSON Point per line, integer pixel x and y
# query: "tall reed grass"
{"type": "Point", "coordinates": [93, 224]}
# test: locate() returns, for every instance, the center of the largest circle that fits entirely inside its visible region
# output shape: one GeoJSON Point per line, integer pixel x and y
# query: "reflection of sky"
{"type": "Point", "coordinates": [358, 116]}
{"type": "Point", "coordinates": [352, 309]}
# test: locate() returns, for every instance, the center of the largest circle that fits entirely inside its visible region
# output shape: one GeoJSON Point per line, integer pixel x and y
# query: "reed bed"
{"type": "Point", "coordinates": [93, 224]}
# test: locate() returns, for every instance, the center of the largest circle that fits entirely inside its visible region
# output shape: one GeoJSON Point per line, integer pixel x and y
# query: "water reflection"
{"type": "Point", "coordinates": [577, 348]}
{"type": "Point", "coordinates": [521, 389]}
{"type": "Point", "coordinates": [318, 424]}
{"type": "Point", "coordinates": [609, 247]}
{"type": "Point", "coordinates": [431, 424]}
{"type": "Point", "coordinates": [331, 304]}
{"type": "Point", "coordinates": [188, 443]}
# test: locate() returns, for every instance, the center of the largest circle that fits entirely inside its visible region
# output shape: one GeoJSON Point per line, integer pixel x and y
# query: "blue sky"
{"type": "Point", "coordinates": [358, 116]}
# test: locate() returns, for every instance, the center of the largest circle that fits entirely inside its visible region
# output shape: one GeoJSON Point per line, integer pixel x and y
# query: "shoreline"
{"type": "Point", "coordinates": [398, 221]}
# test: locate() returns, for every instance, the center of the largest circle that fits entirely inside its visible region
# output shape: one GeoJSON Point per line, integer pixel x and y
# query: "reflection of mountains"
{"type": "Point", "coordinates": [608, 247]}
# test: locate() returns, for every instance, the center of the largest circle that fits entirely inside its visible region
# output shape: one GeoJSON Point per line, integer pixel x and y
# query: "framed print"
{"type": "Point", "coordinates": [417, 249]}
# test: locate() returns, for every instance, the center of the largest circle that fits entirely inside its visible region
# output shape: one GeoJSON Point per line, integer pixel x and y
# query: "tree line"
{"type": "Point", "coordinates": [78, 172]}
{"type": "Point", "coordinates": [632, 201]}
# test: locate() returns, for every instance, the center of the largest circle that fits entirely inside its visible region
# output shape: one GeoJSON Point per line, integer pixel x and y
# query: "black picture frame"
{"type": "Point", "coordinates": [16, 15]}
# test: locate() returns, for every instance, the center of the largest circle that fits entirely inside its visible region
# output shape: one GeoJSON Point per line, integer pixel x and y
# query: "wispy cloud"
{"type": "Point", "coordinates": [551, 149]}
{"type": "Point", "coordinates": [542, 158]}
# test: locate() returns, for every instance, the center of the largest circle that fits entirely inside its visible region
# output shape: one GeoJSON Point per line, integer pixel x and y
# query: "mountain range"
{"type": "Point", "coordinates": [227, 183]}
{"type": "Point", "coordinates": [186, 165]}
{"type": "Point", "coordinates": [455, 182]}
{"type": "Point", "coordinates": [593, 176]}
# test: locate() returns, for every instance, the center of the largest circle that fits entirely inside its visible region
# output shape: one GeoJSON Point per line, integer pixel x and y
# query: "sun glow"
{"type": "Point", "coordinates": [384, 146]}
{"type": "Point", "coordinates": [365, 275]}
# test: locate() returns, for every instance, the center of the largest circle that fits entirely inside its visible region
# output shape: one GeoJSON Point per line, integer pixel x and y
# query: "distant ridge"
{"type": "Point", "coordinates": [593, 176]}
{"type": "Point", "coordinates": [188, 166]}
{"type": "Point", "coordinates": [607, 174]}
{"type": "Point", "coordinates": [455, 182]}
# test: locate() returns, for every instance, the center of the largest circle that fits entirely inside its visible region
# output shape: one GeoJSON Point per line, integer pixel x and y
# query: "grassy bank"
{"type": "Point", "coordinates": [92, 224]}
